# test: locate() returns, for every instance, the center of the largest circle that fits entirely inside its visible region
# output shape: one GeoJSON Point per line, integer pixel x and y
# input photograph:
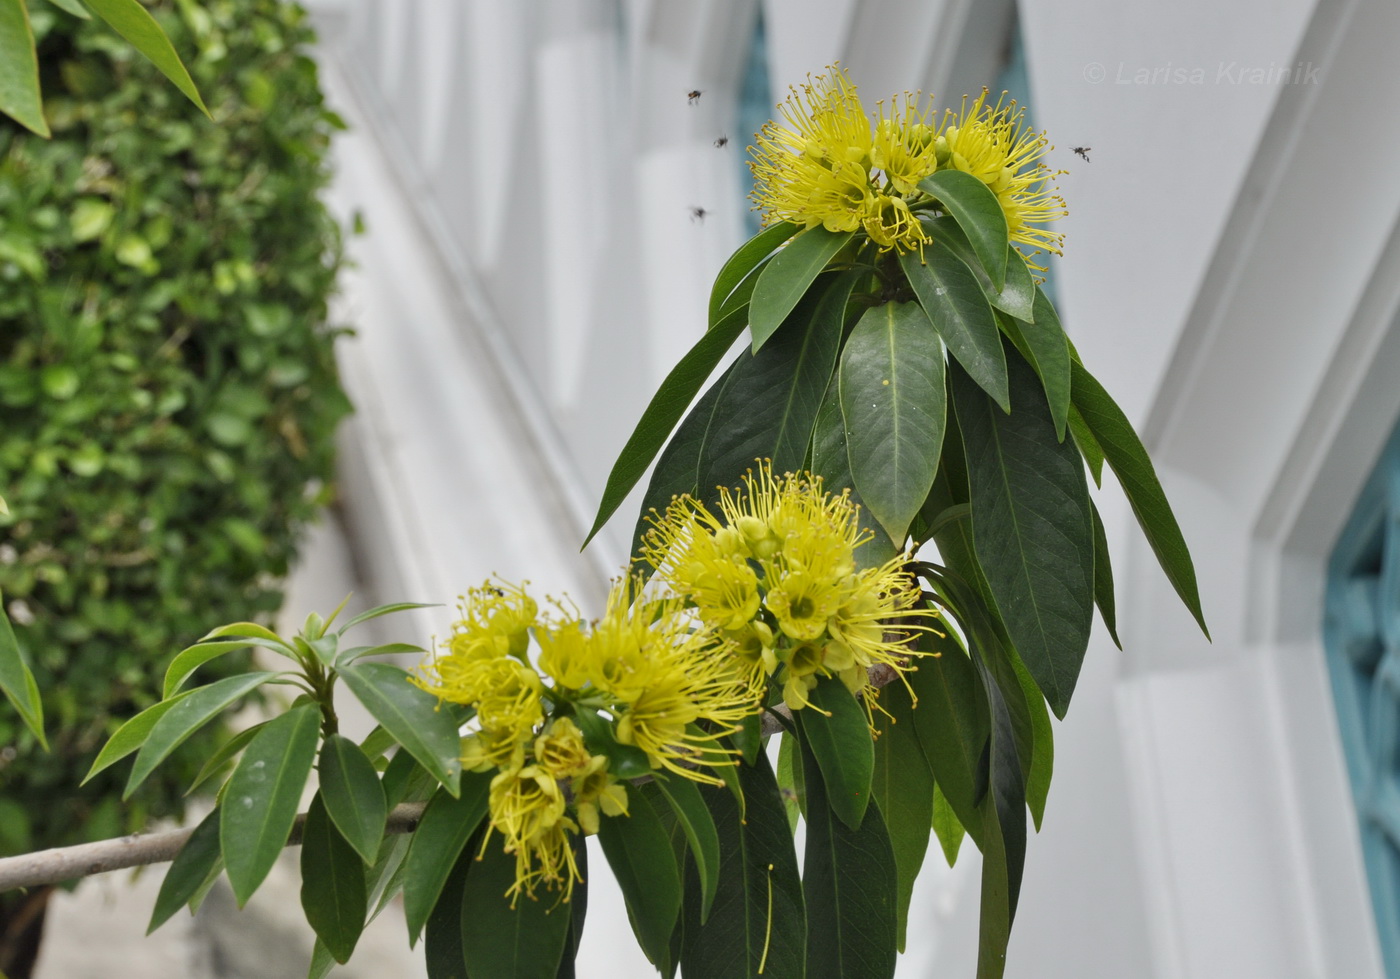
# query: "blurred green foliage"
{"type": "Point", "coordinates": [168, 393]}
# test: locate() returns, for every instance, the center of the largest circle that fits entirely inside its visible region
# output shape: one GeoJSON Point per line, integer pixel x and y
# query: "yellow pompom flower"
{"type": "Point", "coordinates": [595, 789]}
{"type": "Point", "coordinates": [528, 809]}
{"type": "Point", "coordinates": [993, 143]}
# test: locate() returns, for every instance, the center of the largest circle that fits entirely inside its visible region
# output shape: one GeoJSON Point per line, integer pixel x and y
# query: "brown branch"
{"type": "Point", "coordinates": [70, 862]}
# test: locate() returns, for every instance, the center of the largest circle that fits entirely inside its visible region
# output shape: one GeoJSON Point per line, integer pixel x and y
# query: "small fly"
{"type": "Point", "coordinates": [722, 142]}
{"type": "Point", "coordinates": [1082, 151]}
{"type": "Point", "coordinates": [698, 214]}
{"type": "Point", "coordinates": [693, 96]}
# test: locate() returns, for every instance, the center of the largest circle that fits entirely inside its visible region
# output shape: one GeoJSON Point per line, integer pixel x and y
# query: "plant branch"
{"type": "Point", "coordinates": [139, 850]}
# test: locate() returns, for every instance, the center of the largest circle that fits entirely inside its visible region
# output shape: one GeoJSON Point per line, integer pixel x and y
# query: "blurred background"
{"type": "Point", "coordinates": [545, 202]}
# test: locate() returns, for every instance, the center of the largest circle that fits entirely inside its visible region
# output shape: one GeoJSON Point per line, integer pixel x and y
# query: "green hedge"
{"type": "Point", "coordinates": [168, 393]}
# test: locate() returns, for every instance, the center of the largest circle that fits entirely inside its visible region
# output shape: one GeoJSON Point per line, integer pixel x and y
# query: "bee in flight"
{"type": "Point", "coordinates": [722, 142]}
{"type": "Point", "coordinates": [693, 96]}
{"type": "Point", "coordinates": [1082, 151]}
{"type": "Point", "coordinates": [698, 214]}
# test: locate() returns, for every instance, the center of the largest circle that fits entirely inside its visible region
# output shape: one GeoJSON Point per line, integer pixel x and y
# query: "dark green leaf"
{"type": "Point", "coordinates": [503, 942]}
{"type": "Point", "coordinates": [16, 681]}
{"type": "Point", "coordinates": [1031, 528]}
{"type": "Point", "coordinates": [1016, 297]}
{"type": "Point", "coordinates": [695, 820]}
{"type": "Point", "coordinates": [129, 19]}
{"type": "Point", "coordinates": [220, 758]}
{"type": "Point", "coordinates": [849, 885]}
{"type": "Point", "coordinates": [744, 261]}
{"type": "Point", "coordinates": [978, 212]}
{"type": "Point", "coordinates": [1043, 345]}
{"type": "Point", "coordinates": [789, 779]}
{"type": "Point", "coordinates": [442, 835]}
{"type": "Point", "coordinates": [768, 403]}
{"type": "Point", "coordinates": [260, 802]}
{"type": "Point", "coordinates": [189, 713]}
{"type": "Point", "coordinates": [1088, 446]}
{"type": "Point", "coordinates": [322, 962]}
{"type": "Point", "coordinates": [903, 787]}
{"type": "Point", "coordinates": [332, 883]}
{"type": "Point", "coordinates": [837, 732]}
{"type": "Point", "coordinates": [196, 860]}
{"type": "Point", "coordinates": [946, 826]}
{"type": "Point", "coordinates": [411, 715]}
{"type": "Point", "coordinates": [894, 405]}
{"type": "Point", "coordinates": [442, 940]}
{"type": "Point", "coordinates": [1042, 763]}
{"type": "Point", "coordinates": [831, 462]}
{"type": "Point", "coordinates": [748, 737]}
{"type": "Point", "coordinates": [953, 724]}
{"type": "Point", "coordinates": [757, 925]}
{"type": "Point", "coordinates": [785, 280]}
{"type": "Point", "coordinates": [192, 658]}
{"type": "Point", "coordinates": [19, 69]}
{"type": "Point", "coordinates": [624, 760]}
{"type": "Point", "coordinates": [661, 415]}
{"type": "Point", "coordinates": [1003, 840]}
{"type": "Point", "coordinates": [352, 795]}
{"type": "Point", "coordinates": [639, 853]}
{"type": "Point", "coordinates": [1130, 463]}
{"type": "Point", "coordinates": [379, 610]}
{"type": "Point", "coordinates": [954, 304]}
{"type": "Point", "coordinates": [1103, 579]}
{"type": "Point", "coordinates": [578, 912]}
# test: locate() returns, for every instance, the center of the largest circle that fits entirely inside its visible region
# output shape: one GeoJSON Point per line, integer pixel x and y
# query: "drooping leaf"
{"type": "Point", "coordinates": [442, 939]}
{"type": "Point", "coordinates": [769, 401]}
{"type": "Point", "coordinates": [332, 883]}
{"type": "Point", "coordinates": [954, 303]}
{"type": "Point", "coordinates": [411, 715]}
{"type": "Point", "coordinates": [639, 853]}
{"type": "Point", "coordinates": [352, 795]}
{"type": "Point", "coordinates": [1043, 345]}
{"type": "Point", "coordinates": [685, 800]}
{"type": "Point", "coordinates": [260, 803]}
{"type": "Point", "coordinates": [1003, 840]}
{"type": "Point", "coordinates": [1088, 446]}
{"type": "Point", "coordinates": [1031, 528]}
{"type": "Point", "coordinates": [838, 735]}
{"type": "Point", "coordinates": [757, 925]}
{"type": "Point", "coordinates": [786, 278]}
{"type": "Point", "coordinates": [1103, 579]}
{"type": "Point", "coordinates": [442, 835]}
{"type": "Point", "coordinates": [894, 404]}
{"type": "Point", "coordinates": [663, 412]}
{"type": "Point", "coordinates": [194, 863]}
{"type": "Point", "coordinates": [744, 260]}
{"type": "Point", "coordinates": [1016, 297]}
{"type": "Point", "coordinates": [831, 462]}
{"type": "Point", "coordinates": [578, 913]}
{"type": "Point", "coordinates": [978, 212]}
{"type": "Point", "coordinates": [849, 886]}
{"type": "Point", "coordinates": [946, 826]}
{"type": "Point", "coordinates": [504, 942]}
{"type": "Point", "coordinates": [189, 713]}
{"type": "Point", "coordinates": [129, 19]}
{"type": "Point", "coordinates": [1042, 762]}
{"type": "Point", "coordinates": [19, 69]}
{"type": "Point", "coordinates": [1130, 463]}
{"type": "Point", "coordinates": [904, 789]}
{"type": "Point", "coordinates": [16, 681]}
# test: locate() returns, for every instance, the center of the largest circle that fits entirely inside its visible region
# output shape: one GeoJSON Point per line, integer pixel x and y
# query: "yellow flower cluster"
{"type": "Point", "coordinates": [833, 164]}
{"type": "Point", "coordinates": [774, 574]}
{"type": "Point", "coordinates": [644, 665]}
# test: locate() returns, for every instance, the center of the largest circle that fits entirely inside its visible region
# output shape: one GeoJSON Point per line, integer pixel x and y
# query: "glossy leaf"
{"type": "Point", "coordinates": [216, 762]}
{"type": "Point", "coordinates": [1015, 298]}
{"type": "Point", "coordinates": [352, 795]}
{"type": "Point", "coordinates": [1043, 345]}
{"type": "Point", "coordinates": [831, 462]}
{"type": "Point", "coordinates": [261, 799]}
{"type": "Point", "coordinates": [768, 403]}
{"type": "Point", "coordinates": [946, 826]}
{"type": "Point", "coordinates": [411, 715]}
{"type": "Point", "coordinates": [744, 260]}
{"type": "Point", "coordinates": [379, 610]}
{"type": "Point", "coordinates": [1088, 446]}
{"type": "Point", "coordinates": [501, 942]}
{"type": "Point", "coordinates": [192, 658]}
{"type": "Point", "coordinates": [196, 860]}
{"type": "Point", "coordinates": [787, 277]}
{"type": "Point", "coordinates": [442, 939]}
{"type": "Point", "coordinates": [1042, 762]}
{"type": "Point", "coordinates": [903, 788]}
{"type": "Point", "coordinates": [1130, 463]}
{"type": "Point", "coordinates": [849, 886]}
{"type": "Point", "coordinates": [1103, 579]}
{"type": "Point", "coordinates": [129, 19]}
{"type": "Point", "coordinates": [332, 883]}
{"type": "Point", "coordinates": [1003, 841]}
{"type": "Point", "coordinates": [953, 301]}
{"type": "Point", "coordinates": [838, 735]}
{"type": "Point", "coordinates": [578, 912]}
{"type": "Point", "coordinates": [188, 714]}
{"type": "Point", "coordinates": [19, 69]}
{"type": "Point", "coordinates": [663, 412]}
{"type": "Point", "coordinates": [953, 724]}
{"type": "Point", "coordinates": [131, 735]}
{"type": "Point", "coordinates": [639, 853]}
{"type": "Point", "coordinates": [685, 800]}
{"type": "Point", "coordinates": [978, 212]}
{"type": "Point", "coordinates": [624, 760]}
{"type": "Point", "coordinates": [894, 405]}
{"type": "Point", "coordinates": [1031, 528]}
{"type": "Point", "coordinates": [441, 836]}
{"type": "Point", "coordinates": [757, 925]}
